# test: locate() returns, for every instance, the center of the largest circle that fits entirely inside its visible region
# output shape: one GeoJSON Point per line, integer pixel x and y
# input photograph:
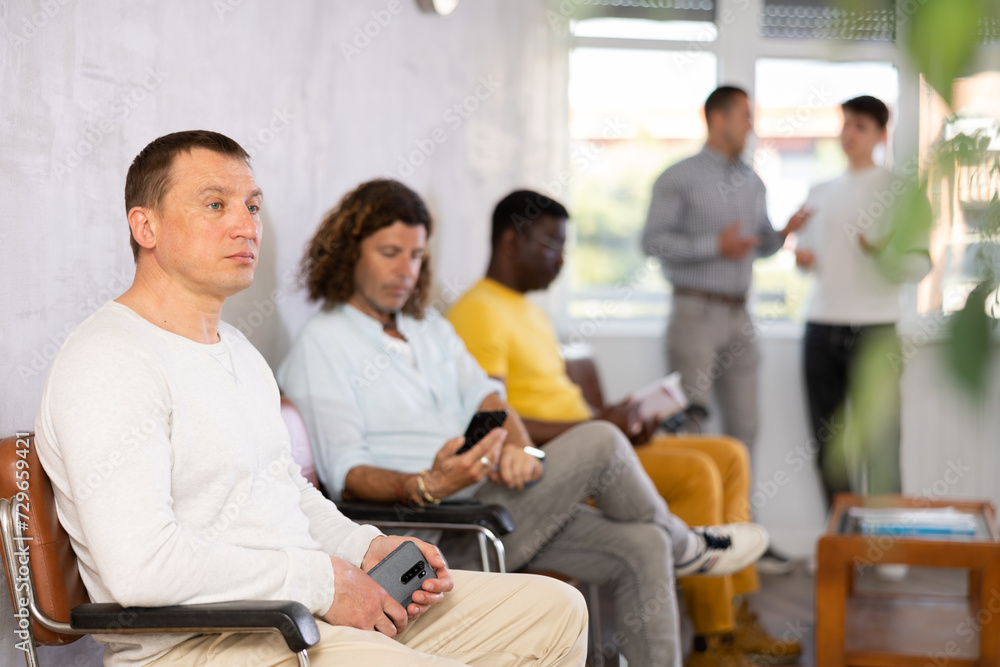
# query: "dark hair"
{"type": "Point", "coordinates": [869, 106]}
{"type": "Point", "coordinates": [520, 209]}
{"type": "Point", "coordinates": [722, 98]}
{"type": "Point", "coordinates": [334, 251]}
{"type": "Point", "coordinates": [148, 178]}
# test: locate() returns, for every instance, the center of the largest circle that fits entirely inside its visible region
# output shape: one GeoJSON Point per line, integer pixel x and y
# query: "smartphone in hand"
{"type": "Point", "coordinates": [481, 424]}
{"type": "Point", "coordinates": [402, 572]}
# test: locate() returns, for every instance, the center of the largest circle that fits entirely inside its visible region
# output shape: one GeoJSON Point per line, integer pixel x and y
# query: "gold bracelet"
{"type": "Point", "coordinates": [410, 498]}
{"type": "Point", "coordinates": [424, 493]}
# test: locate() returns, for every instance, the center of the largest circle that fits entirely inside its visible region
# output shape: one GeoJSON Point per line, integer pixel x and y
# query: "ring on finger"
{"type": "Point", "coordinates": [486, 462]}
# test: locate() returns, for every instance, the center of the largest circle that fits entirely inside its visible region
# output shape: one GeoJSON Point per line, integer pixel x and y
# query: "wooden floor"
{"type": "Point", "coordinates": [786, 603]}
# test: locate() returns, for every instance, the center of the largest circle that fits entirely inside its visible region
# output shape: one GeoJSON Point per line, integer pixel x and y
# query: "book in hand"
{"type": "Point", "coordinates": [914, 521]}
{"type": "Point", "coordinates": [661, 399]}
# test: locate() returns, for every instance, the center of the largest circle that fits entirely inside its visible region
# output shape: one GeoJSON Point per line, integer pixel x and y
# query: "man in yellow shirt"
{"type": "Point", "coordinates": [704, 480]}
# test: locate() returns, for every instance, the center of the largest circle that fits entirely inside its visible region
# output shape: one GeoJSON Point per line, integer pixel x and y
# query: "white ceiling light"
{"type": "Point", "coordinates": [440, 7]}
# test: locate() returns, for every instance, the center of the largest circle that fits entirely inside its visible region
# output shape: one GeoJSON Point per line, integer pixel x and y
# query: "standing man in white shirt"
{"type": "Point", "coordinates": [855, 304]}
{"type": "Point", "coordinates": [161, 431]}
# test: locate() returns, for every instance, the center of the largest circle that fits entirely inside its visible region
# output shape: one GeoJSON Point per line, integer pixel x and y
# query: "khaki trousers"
{"type": "Point", "coordinates": [488, 619]}
{"type": "Point", "coordinates": [714, 346]}
{"type": "Point", "coordinates": [706, 482]}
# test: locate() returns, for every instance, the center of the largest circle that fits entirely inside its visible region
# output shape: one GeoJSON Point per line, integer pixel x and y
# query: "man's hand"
{"type": "Point", "coordinates": [625, 415]}
{"type": "Point", "coordinates": [358, 602]}
{"type": "Point", "coordinates": [517, 468]}
{"type": "Point", "coordinates": [805, 259]}
{"type": "Point", "coordinates": [797, 221]}
{"type": "Point", "coordinates": [432, 590]}
{"type": "Point", "coordinates": [452, 473]}
{"type": "Point", "coordinates": [869, 248]}
{"type": "Point", "coordinates": [734, 246]}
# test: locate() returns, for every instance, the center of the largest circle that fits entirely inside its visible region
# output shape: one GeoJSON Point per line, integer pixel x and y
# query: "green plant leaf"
{"type": "Point", "coordinates": [941, 38]}
{"type": "Point", "coordinates": [970, 345]}
{"type": "Point", "coordinates": [910, 226]}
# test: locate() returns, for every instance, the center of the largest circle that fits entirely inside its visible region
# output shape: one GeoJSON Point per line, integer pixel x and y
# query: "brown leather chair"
{"type": "Point", "coordinates": [51, 606]}
{"type": "Point", "coordinates": [488, 522]}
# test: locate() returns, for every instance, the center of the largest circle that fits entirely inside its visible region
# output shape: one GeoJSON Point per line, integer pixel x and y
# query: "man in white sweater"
{"type": "Point", "coordinates": [161, 432]}
{"type": "Point", "coordinates": [854, 307]}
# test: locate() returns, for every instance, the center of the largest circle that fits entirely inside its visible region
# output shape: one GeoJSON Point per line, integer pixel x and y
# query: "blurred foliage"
{"type": "Point", "coordinates": [911, 224]}
{"type": "Point", "coordinates": [971, 342]}
{"type": "Point", "coordinates": [970, 346]}
{"type": "Point", "coordinates": [941, 37]}
{"type": "Point", "coordinates": [610, 196]}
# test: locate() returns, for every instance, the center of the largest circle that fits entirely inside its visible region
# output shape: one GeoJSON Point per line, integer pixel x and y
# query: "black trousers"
{"type": "Point", "coordinates": [852, 381]}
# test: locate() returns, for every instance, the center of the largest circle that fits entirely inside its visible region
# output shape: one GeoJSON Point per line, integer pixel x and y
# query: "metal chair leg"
{"type": "Point", "coordinates": [484, 554]}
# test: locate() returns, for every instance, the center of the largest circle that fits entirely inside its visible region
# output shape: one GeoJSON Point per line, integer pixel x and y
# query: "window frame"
{"type": "Point", "coordinates": [737, 48]}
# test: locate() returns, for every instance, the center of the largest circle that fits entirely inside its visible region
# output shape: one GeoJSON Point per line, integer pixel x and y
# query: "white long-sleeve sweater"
{"type": "Point", "coordinates": [173, 476]}
{"type": "Point", "coordinates": [850, 289]}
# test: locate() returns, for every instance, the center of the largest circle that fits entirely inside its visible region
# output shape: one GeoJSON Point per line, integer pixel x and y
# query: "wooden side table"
{"type": "Point", "coordinates": [864, 629]}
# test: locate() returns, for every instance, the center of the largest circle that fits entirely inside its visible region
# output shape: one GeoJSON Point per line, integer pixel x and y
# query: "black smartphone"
{"type": "Point", "coordinates": [402, 572]}
{"type": "Point", "coordinates": [481, 424]}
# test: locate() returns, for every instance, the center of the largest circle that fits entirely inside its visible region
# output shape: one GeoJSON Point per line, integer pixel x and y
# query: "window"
{"type": "Point", "coordinates": [963, 184]}
{"type": "Point", "coordinates": [873, 20]}
{"type": "Point", "coordinates": [637, 86]}
{"type": "Point", "coordinates": [632, 114]}
{"type": "Point", "coordinates": [695, 31]}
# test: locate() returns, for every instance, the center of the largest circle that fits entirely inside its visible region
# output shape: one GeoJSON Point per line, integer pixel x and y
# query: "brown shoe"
{"type": "Point", "coordinates": [753, 641]}
{"type": "Point", "coordinates": [720, 652]}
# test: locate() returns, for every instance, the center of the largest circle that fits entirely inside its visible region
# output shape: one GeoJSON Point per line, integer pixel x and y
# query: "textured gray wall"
{"type": "Point", "coordinates": [320, 104]}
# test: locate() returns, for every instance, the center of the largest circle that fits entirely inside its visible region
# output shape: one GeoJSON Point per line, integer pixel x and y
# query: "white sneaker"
{"type": "Point", "coordinates": [727, 549]}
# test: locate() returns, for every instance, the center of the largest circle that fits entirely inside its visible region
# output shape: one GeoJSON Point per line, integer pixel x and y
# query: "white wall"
{"type": "Point", "coordinates": [86, 85]}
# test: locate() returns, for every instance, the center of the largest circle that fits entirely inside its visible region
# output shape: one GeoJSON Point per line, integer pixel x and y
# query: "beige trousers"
{"type": "Point", "coordinates": [488, 619]}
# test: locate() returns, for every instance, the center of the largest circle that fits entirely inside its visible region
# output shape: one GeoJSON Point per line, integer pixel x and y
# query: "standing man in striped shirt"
{"type": "Point", "coordinates": [707, 223]}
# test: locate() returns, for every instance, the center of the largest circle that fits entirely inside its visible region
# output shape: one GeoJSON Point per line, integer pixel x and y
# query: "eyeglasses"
{"type": "Point", "coordinates": [551, 244]}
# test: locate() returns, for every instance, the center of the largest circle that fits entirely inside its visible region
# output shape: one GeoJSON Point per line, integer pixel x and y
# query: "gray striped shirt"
{"type": "Point", "coordinates": [693, 202]}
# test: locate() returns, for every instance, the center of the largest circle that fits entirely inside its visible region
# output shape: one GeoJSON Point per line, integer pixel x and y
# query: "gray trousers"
{"type": "Point", "coordinates": [628, 542]}
{"type": "Point", "coordinates": [714, 346]}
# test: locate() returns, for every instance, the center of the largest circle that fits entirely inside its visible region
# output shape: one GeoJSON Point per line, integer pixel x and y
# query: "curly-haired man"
{"type": "Point", "coordinates": [385, 385]}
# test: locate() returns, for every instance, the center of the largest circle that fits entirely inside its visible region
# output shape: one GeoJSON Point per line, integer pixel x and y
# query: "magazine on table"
{"type": "Point", "coordinates": [914, 521]}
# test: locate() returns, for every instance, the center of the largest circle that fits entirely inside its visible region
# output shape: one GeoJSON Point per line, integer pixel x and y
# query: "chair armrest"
{"type": "Point", "coordinates": [494, 517]}
{"type": "Point", "coordinates": [296, 625]}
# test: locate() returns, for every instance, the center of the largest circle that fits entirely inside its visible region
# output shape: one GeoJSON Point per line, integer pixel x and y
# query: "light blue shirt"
{"type": "Point", "coordinates": [365, 405]}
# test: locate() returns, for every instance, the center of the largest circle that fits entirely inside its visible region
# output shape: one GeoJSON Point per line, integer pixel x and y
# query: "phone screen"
{"type": "Point", "coordinates": [481, 424]}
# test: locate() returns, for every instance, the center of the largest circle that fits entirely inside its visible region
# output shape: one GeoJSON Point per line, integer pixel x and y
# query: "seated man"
{"type": "Point", "coordinates": [704, 480]}
{"type": "Point", "coordinates": [383, 382]}
{"type": "Point", "coordinates": [160, 428]}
